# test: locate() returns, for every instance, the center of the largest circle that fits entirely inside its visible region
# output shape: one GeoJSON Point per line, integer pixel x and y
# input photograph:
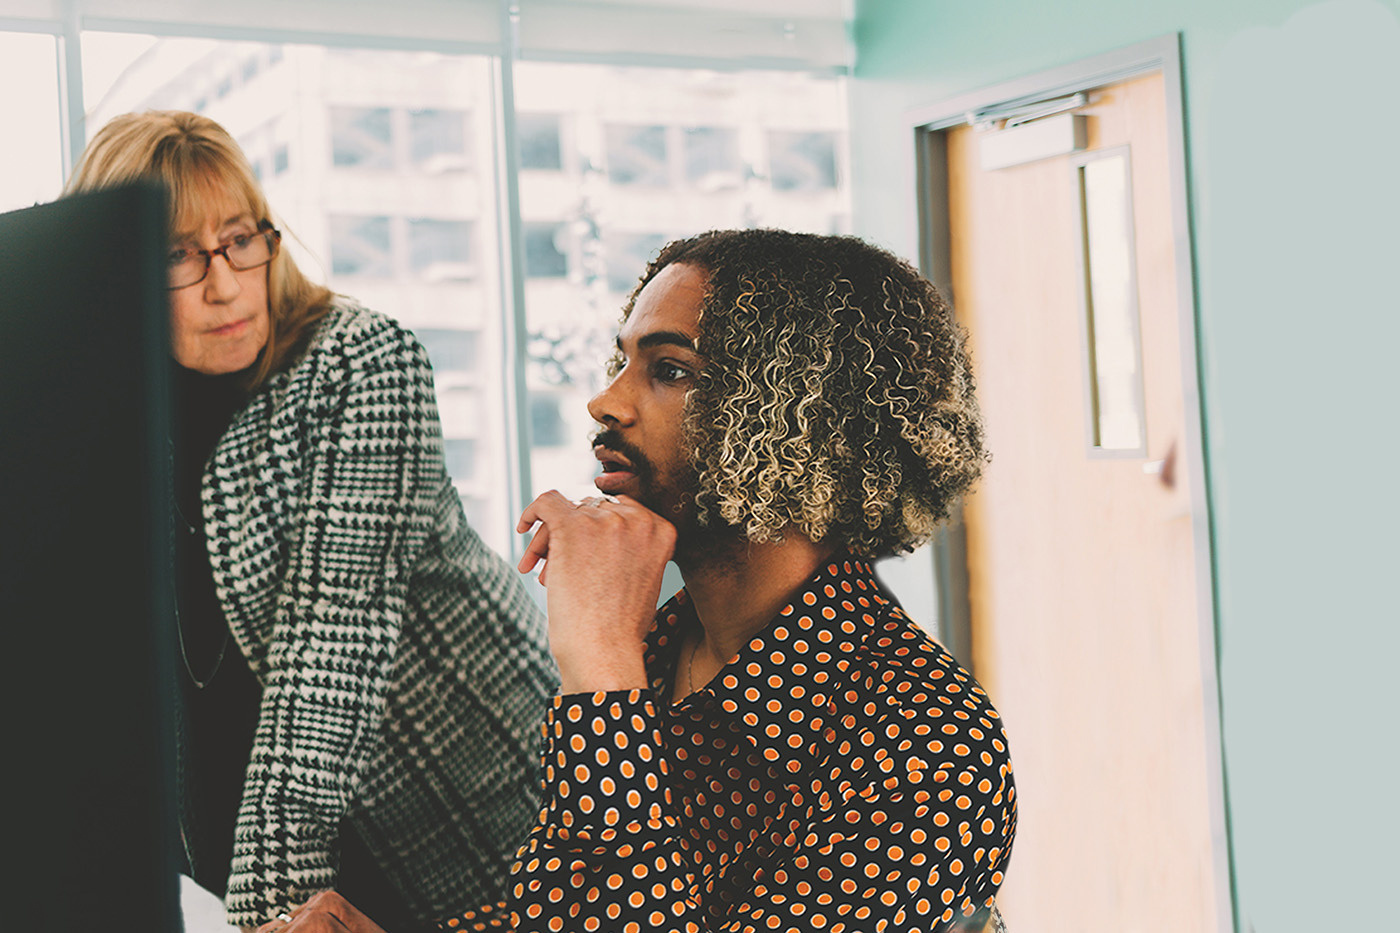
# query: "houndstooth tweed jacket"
{"type": "Point", "coordinates": [404, 669]}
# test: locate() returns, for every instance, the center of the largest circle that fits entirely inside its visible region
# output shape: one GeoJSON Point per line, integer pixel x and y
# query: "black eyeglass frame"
{"type": "Point", "coordinates": [265, 229]}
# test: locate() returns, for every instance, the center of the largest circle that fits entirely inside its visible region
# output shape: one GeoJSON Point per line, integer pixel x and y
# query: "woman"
{"type": "Point", "coordinates": [362, 677]}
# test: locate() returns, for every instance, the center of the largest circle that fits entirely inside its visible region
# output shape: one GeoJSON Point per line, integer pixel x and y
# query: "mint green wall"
{"type": "Point", "coordinates": [1294, 158]}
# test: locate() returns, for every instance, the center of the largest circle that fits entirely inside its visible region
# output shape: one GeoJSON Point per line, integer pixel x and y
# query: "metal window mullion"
{"type": "Point", "coordinates": [72, 121]}
{"type": "Point", "coordinates": [514, 330]}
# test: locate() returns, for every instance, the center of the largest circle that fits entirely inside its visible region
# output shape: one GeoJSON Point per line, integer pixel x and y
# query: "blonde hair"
{"type": "Point", "coordinates": [201, 165]}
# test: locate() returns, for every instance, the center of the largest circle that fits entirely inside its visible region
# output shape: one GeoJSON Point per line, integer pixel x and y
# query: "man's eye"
{"type": "Point", "coordinates": [670, 372]}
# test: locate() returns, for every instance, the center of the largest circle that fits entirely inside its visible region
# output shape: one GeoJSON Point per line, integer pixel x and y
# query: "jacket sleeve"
{"type": "Point", "coordinates": [370, 454]}
{"type": "Point", "coordinates": [916, 848]}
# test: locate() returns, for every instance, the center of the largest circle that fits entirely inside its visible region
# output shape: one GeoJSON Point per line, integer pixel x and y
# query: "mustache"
{"type": "Point", "coordinates": [613, 441]}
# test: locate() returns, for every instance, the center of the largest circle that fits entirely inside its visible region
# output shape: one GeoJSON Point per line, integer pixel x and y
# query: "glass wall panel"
{"type": "Point", "coordinates": [617, 162]}
{"type": "Point", "coordinates": [34, 170]}
{"type": "Point", "coordinates": [372, 161]}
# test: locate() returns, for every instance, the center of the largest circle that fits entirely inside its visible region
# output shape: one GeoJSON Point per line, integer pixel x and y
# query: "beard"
{"type": "Point", "coordinates": [671, 495]}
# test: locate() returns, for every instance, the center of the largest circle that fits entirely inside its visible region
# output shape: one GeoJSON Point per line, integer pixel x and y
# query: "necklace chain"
{"type": "Point", "coordinates": [185, 657]}
{"type": "Point", "coordinates": [180, 625]}
{"type": "Point", "coordinates": [690, 668]}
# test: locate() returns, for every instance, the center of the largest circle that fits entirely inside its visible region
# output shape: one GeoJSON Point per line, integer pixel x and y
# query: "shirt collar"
{"type": "Point", "coordinates": [780, 690]}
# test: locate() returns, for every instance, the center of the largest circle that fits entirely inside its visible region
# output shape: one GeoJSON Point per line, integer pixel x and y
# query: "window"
{"type": "Point", "coordinates": [637, 155]}
{"type": "Point", "coordinates": [382, 168]}
{"type": "Point", "coordinates": [538, 134]}
{"type": "Point", "coordinates": [32, 170]}
{"type": "Point", "coordinates": [450, 350]}
{"type": "Point", "coordinates": [361, 246]}
{"type": "Point", "coordinates": [712, 158]}
{"type": "Point", "coordinates": [545, 257]}
{"type": "Point", "coordinates": [440, 249]}
{"type": "Point", "coordinates": [362, 137]}
{"type": "Point", "coordinates": [649, 154]}
{"type": "Point", "coordinates": [802, 161]}
{"type": "Point", "coordinates": [460, 453]}
{"type": "Point", "coordinates": [547, 427]}
{"type": "Point", "coordinates": [628, 255]}
{"type": "Point", "coordinates": [438, 139]}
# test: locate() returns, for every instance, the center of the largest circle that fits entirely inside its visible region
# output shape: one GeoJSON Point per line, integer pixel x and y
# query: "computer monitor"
{"type": "Point", "coordinates": [85, 594]}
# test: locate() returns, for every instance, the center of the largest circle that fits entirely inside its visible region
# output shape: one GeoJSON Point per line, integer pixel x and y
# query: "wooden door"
{"type": "Point", "coordinates": [1086, 626]}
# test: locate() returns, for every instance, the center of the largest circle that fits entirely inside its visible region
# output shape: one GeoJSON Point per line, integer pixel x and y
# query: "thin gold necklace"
{"type": "Point", "coordinates": [690, 668]}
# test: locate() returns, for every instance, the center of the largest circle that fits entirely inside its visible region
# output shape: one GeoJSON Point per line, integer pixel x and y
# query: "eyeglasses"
{"type": "Point", "coordinates": [186, 267]}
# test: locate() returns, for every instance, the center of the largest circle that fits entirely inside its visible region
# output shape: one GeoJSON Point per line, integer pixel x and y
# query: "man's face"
{"type": "Point", "coordinates": [642, 445]}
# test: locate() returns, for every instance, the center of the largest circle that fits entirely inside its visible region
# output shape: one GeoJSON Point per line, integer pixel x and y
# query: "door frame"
{"type": "Point", "coordinates": [927, 125]}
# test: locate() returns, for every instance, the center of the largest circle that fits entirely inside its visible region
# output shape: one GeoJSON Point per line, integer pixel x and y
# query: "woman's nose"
{"type": "Point", "coordinates": [221, 282]}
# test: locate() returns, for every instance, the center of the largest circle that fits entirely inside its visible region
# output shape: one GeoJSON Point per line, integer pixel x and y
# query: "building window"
{"type": "Point", "coordinates": [545, 256]}
{"type": "Point", "coordinates": [712, 160]}
{"type": "Point", "coordinates": [540, 146]}
{"type": "Point", "coordinates": [362, 137]}
{"type": "Point", "coordinates": [637, 155]}
{"type": "Point", "coordinates": [361, 246]}
{"type": "Point", "coordinates": [802, 161]}
{"type": "Point", "coordinates": [450, 350]}
{"type": "Point", "coordinates": [547, 425]}
{"type": "Point", "coordinates": [628, 255]}
{"type": "Point", "coordinates": [439, 250]}
{"type": "Point", "coordinates": [460, 453]}
{"type": "Point", "coordinates": [437, 139]}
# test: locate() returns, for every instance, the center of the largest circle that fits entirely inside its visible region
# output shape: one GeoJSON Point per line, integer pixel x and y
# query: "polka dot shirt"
{"type": "Point", "coordinates": [841, 773]}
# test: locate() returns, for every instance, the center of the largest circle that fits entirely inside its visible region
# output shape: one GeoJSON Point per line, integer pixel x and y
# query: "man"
{"type": "Point", "coordinates": [778, 747]}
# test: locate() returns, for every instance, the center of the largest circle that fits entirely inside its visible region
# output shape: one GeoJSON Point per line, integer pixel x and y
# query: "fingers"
{"type": "Point", "coordinates": [546, 505]}
{"type": "Point", "coordinates": [552, 505]}
{"type": "Point", "coordinates": [327, 912]}
{"type": "Point", "coordinates": [536, 551]}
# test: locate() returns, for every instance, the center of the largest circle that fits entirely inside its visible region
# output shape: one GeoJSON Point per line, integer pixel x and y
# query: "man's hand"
{"type": "Point", "coordinates": [604, 559]}
{"type": "Point", "coordinates": [326, 912]}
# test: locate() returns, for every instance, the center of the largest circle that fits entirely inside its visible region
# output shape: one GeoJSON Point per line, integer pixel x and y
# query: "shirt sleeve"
{"type": "Point", "coordinates": [370, 449]}
{"type": "Point", "coordinates": [921, 849]}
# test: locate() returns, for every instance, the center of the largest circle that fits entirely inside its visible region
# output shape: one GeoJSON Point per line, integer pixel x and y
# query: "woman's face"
{"type": "Point", "coordinates": [219, 325]}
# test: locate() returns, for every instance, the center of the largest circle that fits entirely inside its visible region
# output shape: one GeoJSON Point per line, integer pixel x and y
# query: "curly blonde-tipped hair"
{"type": "Point", "coordinates": [202, 168]}
{"type": "Point", "coordinates": [836, 397]}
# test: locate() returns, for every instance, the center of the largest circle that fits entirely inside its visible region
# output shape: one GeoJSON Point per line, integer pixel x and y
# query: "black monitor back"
{"type": "Point", "coordinates": [85, 595]}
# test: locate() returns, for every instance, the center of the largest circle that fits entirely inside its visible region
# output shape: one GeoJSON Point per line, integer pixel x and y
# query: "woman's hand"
{"type": "Point", "coordinates": [604, 558]}
{"type": "Point", "coordinates": [326, 912]}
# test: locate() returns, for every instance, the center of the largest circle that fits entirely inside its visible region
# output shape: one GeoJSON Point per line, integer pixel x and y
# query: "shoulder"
{"type": "Point", "coordinates": [939, 716]}
{"type": "Point", "coordinates": [352, 332]}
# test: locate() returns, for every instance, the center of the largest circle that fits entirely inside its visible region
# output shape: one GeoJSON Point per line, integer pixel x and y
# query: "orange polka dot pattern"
{"type": "Point", "coordinates": [842, 773]}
